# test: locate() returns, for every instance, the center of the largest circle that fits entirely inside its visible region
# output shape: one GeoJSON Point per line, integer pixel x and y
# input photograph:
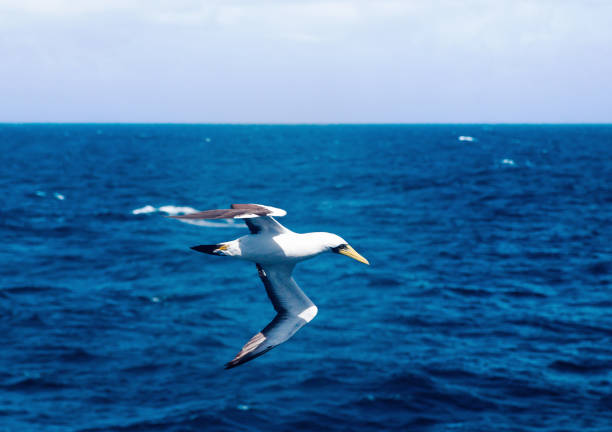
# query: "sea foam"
{"type": "Point", "coordinates": [144, 210]}
{"type": "Point", "coordinates": [466, 138]}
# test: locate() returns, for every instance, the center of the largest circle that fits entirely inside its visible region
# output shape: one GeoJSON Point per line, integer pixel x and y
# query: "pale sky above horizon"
{"type": "Point", "coordinates": [240, 61]}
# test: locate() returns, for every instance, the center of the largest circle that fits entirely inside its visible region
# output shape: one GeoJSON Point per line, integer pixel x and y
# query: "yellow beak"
{"type": "Point", "coordinates": [352, 253]}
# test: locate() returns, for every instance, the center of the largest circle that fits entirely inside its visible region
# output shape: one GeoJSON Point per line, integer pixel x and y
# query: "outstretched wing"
{"type": "Point", "coordinates": [257, 217]}
{"type": "Point", "coordinates": [294, 310]}
{"type": "Point", "coordinates": [265, 224]}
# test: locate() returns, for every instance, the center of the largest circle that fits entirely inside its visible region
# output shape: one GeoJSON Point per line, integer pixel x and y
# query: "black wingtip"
{"type": "Point", "coordinates": [209, 249]}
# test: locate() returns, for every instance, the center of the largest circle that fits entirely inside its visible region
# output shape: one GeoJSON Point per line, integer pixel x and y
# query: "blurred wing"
{"type": "Point", "coordinates": [271, 211]}
{"type": "Point", "coordinates": [294, 309]}
{"type": "Point", "coordinates": [257, 217]}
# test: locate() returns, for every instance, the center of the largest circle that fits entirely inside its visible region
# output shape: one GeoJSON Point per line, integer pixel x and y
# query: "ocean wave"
{"type": "Point", "coordinates": [182, 422]}
{"type": "Point", "coordinates": [466, 138]}
{"type": "Point", "coordinates": [33, 384]}
{"type": "Point", "coordinates": [145, 368]}
{"type": "Point", "coordinates": [144, 210]}
{"type": "Point", "coordinates": [31, 289]}
{"type": "Point", "coordinates": [76, 355]}
{"type": "Point", "coordinates": [43, 194]}
{"type": "Point", "coordinates": [172, 210]}
{"type": "Point", "coordinates": [586, 367]}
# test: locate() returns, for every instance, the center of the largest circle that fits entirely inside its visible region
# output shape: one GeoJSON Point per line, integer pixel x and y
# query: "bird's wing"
{"type": "Point", "coordinates": [257, 217]}
{"type": "Point", "coordinates": [294, 310]}
{"type": "Point", "coordinates": [263, 223]}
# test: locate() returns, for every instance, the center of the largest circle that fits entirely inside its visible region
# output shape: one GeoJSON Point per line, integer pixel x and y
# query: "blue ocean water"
{"type": "Point", "coordinates": [488, 304]}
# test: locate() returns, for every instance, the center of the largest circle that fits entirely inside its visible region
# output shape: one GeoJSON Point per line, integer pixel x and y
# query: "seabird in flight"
{"type": "Point", "coordinates": [275, 250]}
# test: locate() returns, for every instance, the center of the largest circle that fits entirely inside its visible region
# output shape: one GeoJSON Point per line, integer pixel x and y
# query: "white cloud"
{"type": "Point", "coordinates": [277, 59]}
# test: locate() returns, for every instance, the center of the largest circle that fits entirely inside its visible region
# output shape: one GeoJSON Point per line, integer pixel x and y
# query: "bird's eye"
{"type": "Point", "coordinates": [337, 249]}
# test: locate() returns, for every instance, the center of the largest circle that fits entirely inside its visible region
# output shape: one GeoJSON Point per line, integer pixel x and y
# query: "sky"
{"type": "Point", "coordinates": [290, 61]}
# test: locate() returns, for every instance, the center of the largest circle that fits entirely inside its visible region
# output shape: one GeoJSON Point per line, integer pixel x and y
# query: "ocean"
{"type": "Point", "coordinates": [487, 305]}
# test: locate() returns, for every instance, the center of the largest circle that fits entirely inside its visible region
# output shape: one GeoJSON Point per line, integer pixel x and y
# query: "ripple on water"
{"type": "Point", "coordinates": [33, 385]}
{"type": "Point", "coordinates": [582, 366]}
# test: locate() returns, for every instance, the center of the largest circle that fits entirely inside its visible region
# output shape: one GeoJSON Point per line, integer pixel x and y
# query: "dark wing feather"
{"type": "Point", "coordinates": [285, 295]}
{"type": "Point", "coordinates": [254, 215]}
{"type": "Point", "coordinates": [250, 207]}
{"type": "Point", "coordinates": [281, 328]}
{"type": "Point", "coordinates": [223, 214]}
{"type": "Point", "coordinates": [264, 224]}
{"type": "Point", "coordinates": [259, 224]}
{"type": "Point", "coordinates": [290, 302]}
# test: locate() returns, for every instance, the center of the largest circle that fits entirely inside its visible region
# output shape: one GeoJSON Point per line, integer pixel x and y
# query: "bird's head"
{"type": "Point", "coordinates": [337, 244]}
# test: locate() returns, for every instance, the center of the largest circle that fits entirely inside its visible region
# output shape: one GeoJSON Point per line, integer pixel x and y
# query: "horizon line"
{"type": "Point", "coordinates": [311, 123]}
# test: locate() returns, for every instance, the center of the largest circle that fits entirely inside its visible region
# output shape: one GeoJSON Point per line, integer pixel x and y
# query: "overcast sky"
{"type": "Point", "coordinates": [305, 61]}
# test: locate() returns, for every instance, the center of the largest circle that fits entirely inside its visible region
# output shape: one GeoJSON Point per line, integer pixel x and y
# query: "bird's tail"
{"type": "Point", "coordinates": [215, 249]}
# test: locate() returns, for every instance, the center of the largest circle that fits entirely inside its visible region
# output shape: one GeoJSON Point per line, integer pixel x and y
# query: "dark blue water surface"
{"type": "Point", "coordinates": [488, 304]}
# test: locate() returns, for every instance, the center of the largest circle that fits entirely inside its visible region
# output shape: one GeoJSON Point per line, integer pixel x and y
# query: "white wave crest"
{"type": "Point", "coordinates": [466, 138]}
{"type": "Point", "coordinates": [144, 210]}
{"type": "Point", "coordinates": [174, 210]}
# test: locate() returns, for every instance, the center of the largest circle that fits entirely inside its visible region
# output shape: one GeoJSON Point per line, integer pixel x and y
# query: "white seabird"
{"type": "Point", "coordinates": [275, 250]}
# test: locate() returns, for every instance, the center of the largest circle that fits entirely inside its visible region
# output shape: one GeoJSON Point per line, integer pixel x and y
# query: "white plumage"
{"type": "Point", "coordinates": [275, 250]}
